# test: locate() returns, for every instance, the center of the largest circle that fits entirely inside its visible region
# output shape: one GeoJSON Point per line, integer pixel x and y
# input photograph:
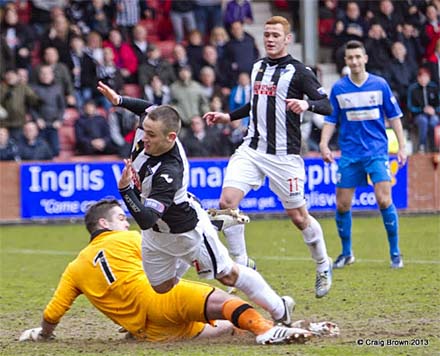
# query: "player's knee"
{"type": "Point", "coordinates": [230, 278]}
{"type": "Point", "coordinates": [164, 287]}
{"type": "Point", "coordinates": [343, 206]}
{"type": "Point", "coordinates": [383, 202]}
{"type": "Point", "coordinates": [226, 203]}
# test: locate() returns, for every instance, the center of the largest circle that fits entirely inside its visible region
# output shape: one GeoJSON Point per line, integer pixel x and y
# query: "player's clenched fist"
{"type": "Point", "coordinates": [296, 105]}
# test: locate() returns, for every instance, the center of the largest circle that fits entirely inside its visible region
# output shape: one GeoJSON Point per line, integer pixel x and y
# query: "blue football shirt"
{"type": "Point", "coordinates": [360, 112]}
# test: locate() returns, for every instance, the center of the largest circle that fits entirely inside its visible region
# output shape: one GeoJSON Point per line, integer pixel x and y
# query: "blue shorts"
{"type": "Point", "coordinates": [354, 172]}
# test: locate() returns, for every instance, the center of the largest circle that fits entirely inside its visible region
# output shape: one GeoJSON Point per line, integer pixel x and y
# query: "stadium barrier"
{"type": "Point", "coordinates": [51, 190]}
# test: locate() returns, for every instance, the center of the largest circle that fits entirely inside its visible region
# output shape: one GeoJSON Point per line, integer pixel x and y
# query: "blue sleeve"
{"type": "Point", "coordinates": [390, 104]}
{"type": "Point", "coordinates": [232, 105]}
{"type": "Point", "coordinates": [334, 116]}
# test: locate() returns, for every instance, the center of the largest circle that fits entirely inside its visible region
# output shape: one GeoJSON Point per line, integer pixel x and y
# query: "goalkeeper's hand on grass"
{"type": "Point", "coordinates": [35, 335]}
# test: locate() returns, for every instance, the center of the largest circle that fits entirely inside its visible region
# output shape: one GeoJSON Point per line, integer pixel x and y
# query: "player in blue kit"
{"type": "Point", "coordinates": [361, 102]}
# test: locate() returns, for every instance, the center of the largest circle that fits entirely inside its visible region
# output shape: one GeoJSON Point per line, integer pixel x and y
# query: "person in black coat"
{"type": "Point", "coordinates": [389, 18]}
{"type": "Point", "coordinates": [83, 71]}
{"type": "Point", "coordinates": [194, 51]}
{"type": "Point", "coordinates": [92, 133]}
{"type": "Point", "coordinates": [424, 104]}
{"type": "Point", "coordinates": [49, 114]}
{"type": "Point", "coordinates": [401, 72]}
{"type": "Point", "coordinates": [241, 50]}
{"type": "Point", "coordinates": [201, 141]}
{"type": "Point", "coordinates": [378, 49]}
{"type": "Point", "coordinates": [411, 40]}
{"type": "Point", "coordinates": [180, 58]}
{"type": "Point", "coordinates": [351, 26]}
{"type": "Point", "coordinates": [140, 44]}
{"type": "Point", "coordinates": [31, 147]}
{"type": "Point", "coordinates": [8, 147]}
{"type": "Point", "coordinates": [16, 38]}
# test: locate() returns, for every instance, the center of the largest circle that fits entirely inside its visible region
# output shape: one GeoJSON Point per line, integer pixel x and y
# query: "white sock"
{"type": "Point", "coordinates": [314, 239]}
{"type": "Point", "coordinates": [236, 243]}
{"type": "Point", "coordinates": [181, 268]}
{"type": "Point", "coordinates": [251, 283]}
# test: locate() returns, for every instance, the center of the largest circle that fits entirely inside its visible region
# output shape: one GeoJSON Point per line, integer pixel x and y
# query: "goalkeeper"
{"type": "Point", "coordinates": [108, 271]}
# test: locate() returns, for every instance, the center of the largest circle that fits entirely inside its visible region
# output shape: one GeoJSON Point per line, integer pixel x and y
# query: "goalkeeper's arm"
{"type": "Point", "coordinates": [47, 329]}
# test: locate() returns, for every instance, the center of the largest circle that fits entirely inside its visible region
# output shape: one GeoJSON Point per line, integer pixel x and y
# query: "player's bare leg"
{"type": "Point", "coordinates": [251, 283]}
{"type": "Point", "coordinates": [221, 305]}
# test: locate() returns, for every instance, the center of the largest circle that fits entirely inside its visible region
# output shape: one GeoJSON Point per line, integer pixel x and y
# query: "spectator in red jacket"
{"type": "Point", "coordinates": [433, 64]}
{"type": "Point", "coordinates": [125, 58]}
{"type": "Point", "coordinates": [432, 30]}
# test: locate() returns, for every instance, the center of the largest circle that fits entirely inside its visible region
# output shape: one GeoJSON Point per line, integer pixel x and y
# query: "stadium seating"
{"type": "Point", "coordinates": [70, 116]}
{"type": "Point", "coordinates": [150, 25]}
{"type": "Point", "coordinates": [167, 48]}
{"type": "Point", "coordinates": [66, 134]}
{"type": "Point", "coordinates": [437, 137]}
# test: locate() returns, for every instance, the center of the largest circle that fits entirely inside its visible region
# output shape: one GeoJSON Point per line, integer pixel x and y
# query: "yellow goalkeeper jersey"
{"type": "Point", "coordinates": [109, 273]}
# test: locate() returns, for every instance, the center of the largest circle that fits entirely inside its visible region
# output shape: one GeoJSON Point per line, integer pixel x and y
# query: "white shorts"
{"type": "Point", "coordinates": [200, 247]}
{"type": "Point", "coordinates": [248, 168]}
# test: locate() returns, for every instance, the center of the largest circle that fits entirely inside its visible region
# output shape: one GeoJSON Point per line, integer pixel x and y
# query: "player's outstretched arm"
{"type": "Point", "coordinates": [135, 105]}
{"type": "Point", "coordinates": [213, 117]}
{"type": "Point", "coordinates": [109, 93]}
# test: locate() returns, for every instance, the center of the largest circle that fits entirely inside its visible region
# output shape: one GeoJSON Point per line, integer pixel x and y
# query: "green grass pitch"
{"type": "Point", "coordinates": [370, 302]}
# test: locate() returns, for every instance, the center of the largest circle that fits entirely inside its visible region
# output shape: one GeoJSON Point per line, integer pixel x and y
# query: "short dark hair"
{"type": "Point", "coordinates": [97, 211]}
{"type": "Point", "coordinates": [168, 116]}
{"type": "Point", "coordinates": [76, 37]}
{"type": "Point", "coordinates": [424, 70]}
{"type": "Point", "coordinates": [353, 44]}
{"type": "Point", "coordinates": [89, 102]}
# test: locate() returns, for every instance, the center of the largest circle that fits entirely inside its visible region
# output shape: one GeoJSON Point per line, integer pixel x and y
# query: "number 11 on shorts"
{"type": "Point", "coordinates": [293, 185]}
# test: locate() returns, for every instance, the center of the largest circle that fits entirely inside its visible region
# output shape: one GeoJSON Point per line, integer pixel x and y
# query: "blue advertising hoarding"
{"type": "Point", "coordinates": [64, 190]}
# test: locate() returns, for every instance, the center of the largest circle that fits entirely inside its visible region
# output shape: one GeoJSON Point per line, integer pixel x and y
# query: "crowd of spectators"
{"type": "Point", "coordinates": [189, 54]}
{"type": "Point", "coordinates": [194, 55]}
{"type": "Point", "coordinates": [402, 39]}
